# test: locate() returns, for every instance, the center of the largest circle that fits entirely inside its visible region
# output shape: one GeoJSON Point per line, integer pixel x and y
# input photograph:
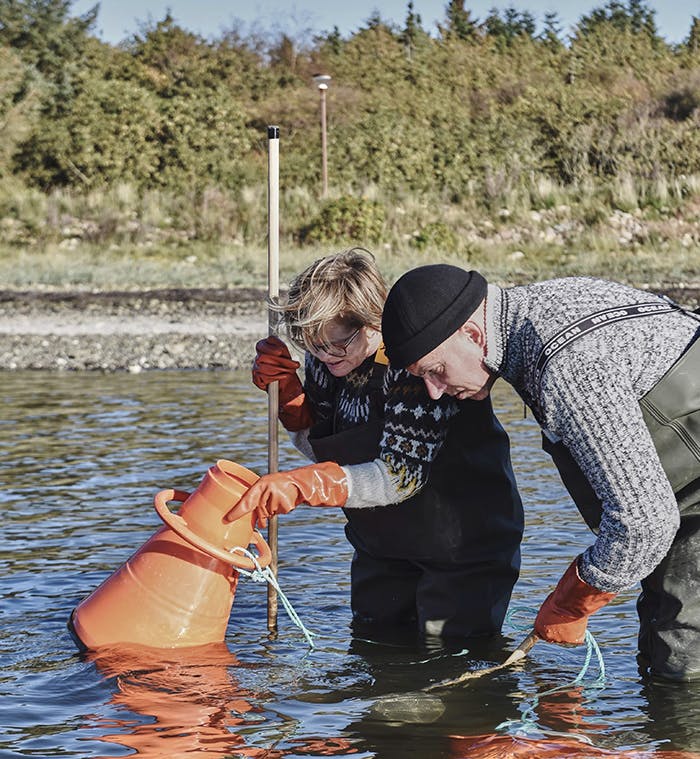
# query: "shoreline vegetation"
{"type": "Point", "coordinates": [499, 142]}
{"type": "Point", "coordinates": [121, 239]}
{"type": "Point", "coordinates": [496, 143]}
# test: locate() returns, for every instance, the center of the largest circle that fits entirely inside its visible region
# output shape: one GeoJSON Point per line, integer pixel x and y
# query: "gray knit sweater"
{"type": "Point", "coordinates": [588, 397]}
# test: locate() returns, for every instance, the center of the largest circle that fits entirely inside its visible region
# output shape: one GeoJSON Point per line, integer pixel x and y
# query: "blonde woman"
{"type": "Point", "coordinates": [427, 487]}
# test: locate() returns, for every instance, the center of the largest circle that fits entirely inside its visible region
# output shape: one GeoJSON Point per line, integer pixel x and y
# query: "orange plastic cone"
{"type": "Point", "coordinates": [178, 588]}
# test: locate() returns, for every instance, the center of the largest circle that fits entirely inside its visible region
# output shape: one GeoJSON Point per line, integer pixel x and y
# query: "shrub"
{"type": "Point", "coordinates": [435, 235]}
{"type": "Point", "coordinates": [356, 220]}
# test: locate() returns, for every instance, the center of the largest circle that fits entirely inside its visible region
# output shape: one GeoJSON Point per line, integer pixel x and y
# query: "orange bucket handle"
{"type": "Point", "coordinates": [178, 525]}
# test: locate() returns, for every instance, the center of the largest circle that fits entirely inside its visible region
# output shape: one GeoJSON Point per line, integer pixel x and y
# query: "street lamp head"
{"type": "Point", "coordinates": [322, 81]}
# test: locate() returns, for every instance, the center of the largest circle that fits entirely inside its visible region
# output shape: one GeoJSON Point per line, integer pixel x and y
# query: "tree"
{"type": "Point", "coordinates": [19, 99]}
{"type": "Point", "coordinates": [44, 34]}
{"type": "Point", "coordinates": [692, 43]}
{"type": "Point", "coordinates": [333, 40]}
{"type": "Point", "coordinates": [411, 31]}
{"type": "Point", "coordinates": [519, 22]}
{"type": "Point", "coordinates": [551, 32]}
{"type": "Point", "coordinates": [513, 24]}
{"type": "Point", "coordinates": [107, 135]}
{"type": "Point", "coordinates": [202, 141]}
{"type": "Point", "coordinates": [635, 17]}
{"type": "Point", "coordinates": [459, 21]}
{"type": "Point", "coordinates": [175, 57]}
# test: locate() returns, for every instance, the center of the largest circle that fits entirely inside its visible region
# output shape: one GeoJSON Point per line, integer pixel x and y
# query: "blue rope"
{"type": "Point", "coordinates": [528, 721]}
{"type": "Point", "coordinates": [266, 575]}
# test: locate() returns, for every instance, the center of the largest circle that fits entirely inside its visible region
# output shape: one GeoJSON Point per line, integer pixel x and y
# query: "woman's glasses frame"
{"type": "Point", "coordinates": [338, 348]}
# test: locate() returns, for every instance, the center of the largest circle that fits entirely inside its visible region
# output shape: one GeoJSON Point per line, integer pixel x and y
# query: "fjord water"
{"type": "Point", "coordinates": [82, 457]}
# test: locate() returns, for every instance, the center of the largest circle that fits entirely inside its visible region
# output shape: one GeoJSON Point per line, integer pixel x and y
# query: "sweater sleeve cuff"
{"type": "Point", "coordinates": [598, 579]}
{"type": "Point", "coordinates": [369, 485]}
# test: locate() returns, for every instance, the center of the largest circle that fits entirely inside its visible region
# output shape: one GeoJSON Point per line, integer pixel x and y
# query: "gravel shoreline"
{"type": "Point", "coordinates": [130, 331]}
{"type": "Point", "coordinates": [153, 329]}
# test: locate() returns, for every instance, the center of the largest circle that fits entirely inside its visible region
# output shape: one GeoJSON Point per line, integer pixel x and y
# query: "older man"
{"type": "Point", "coordinates": [612, 375]}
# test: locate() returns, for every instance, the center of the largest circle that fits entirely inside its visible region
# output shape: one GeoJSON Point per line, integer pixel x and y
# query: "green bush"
{"type": "Point", "coordinates": [429, 136]}
{"type": "Point", "coordinates": [107, 136]}
{"type": "Point", "coordinates": [19, 100]}
{"type": "Point", "coordinates": [435, 235]}
{"type": "Point", "coordinates": [345, 220]}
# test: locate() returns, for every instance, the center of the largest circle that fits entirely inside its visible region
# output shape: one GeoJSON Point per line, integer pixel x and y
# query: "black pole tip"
{"type": "Point", "coordinates": [273, 133]}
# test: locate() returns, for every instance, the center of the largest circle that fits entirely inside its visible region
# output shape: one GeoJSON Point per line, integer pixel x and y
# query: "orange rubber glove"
{"type": "Point", "coordinates": [563, 616]}
{"type": "Point", "coordinates": [324, 484]}
{"type": "Point", "coordinates": [273, 362]}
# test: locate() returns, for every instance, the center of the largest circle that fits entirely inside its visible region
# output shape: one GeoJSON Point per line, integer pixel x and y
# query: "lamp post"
{"type": "Point", "coordinates": [322, 82]}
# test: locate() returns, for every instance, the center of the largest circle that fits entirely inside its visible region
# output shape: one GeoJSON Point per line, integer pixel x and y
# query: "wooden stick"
{"type": "Point", "coordinates": [273, 291]}
{"type": "Point", "coordinates": [519, 653]}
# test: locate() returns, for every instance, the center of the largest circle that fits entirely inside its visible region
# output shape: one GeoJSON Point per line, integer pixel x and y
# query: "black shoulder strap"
{"type": "Point", "coordinates": [588, 324]}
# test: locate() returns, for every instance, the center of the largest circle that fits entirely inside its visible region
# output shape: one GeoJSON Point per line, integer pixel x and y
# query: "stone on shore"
{"type": "Point", "coordinates": [155, 329]}
{"type": "Point", "coordinates": [169, 329]}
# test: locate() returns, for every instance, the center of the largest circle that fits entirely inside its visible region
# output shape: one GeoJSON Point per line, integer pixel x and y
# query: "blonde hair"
{"type": "Point", "coordinates": [345, 287]}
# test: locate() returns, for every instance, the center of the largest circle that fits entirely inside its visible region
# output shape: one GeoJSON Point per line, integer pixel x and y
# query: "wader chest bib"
{"type": "Point", "coordinates": [466, 505]}
{"type": "Point", "coordinates": [466, 518]}
{"type": "Point", "coordinates": [671, 411]}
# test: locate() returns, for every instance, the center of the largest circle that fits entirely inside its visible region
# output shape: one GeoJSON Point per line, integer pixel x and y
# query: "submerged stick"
{"type": "Point", "coordinates": [519, 653]}
{"type": "Point", "coordinates": [273, 291]}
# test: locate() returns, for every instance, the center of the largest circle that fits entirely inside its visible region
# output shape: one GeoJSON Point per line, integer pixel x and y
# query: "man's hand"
{"type": "Point", "coordinates": [563, 617]}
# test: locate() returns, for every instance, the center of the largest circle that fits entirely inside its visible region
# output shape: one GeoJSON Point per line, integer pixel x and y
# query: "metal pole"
{"type": "Point", "coordinates": [273, 291]}
{"type": "Point", "coordinates": [324, 149]}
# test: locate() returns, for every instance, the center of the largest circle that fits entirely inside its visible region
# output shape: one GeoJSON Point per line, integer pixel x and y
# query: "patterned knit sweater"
{"type": "Point", "coordinates": [588, 397]}
{"type": "Point", "coordinates": [415, 428]}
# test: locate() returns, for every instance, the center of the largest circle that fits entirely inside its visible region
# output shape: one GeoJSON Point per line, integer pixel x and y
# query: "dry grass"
{"type": "Point", "coordinates": [120, 239]}
{"type": "Point", "coordinates": [220, 266]}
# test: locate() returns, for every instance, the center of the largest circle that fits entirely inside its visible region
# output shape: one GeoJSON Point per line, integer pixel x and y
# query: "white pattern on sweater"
{"type": "Point", "coordinates": [415, 427]}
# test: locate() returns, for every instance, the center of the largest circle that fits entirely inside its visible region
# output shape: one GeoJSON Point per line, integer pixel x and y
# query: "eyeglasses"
{"type": "Point", "coordinates": [338, 348]}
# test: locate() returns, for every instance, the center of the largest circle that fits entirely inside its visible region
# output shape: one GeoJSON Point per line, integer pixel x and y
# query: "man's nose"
{"type": "Point", "coordinates": [434, 387]}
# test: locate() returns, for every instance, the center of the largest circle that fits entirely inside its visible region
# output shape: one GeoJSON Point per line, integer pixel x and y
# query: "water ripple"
{"type": "Point", "coordinates": [84, 454]}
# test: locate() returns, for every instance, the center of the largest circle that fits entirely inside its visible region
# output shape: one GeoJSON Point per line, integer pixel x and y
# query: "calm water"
{"type": "Point", "coordinates": [83, 455]}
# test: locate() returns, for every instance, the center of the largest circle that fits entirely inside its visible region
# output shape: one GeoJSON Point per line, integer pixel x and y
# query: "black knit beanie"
{"type": "Point", "coordinates": [425, 306]}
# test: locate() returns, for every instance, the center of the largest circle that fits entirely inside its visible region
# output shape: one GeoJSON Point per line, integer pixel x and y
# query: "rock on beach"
{"type": "Point", "coordinates": [153, 329]}
{"type": "Point", "coordinates": [131, 331]}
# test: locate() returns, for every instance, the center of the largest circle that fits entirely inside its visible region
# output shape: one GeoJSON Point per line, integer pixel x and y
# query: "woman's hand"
{"type": "Point", "coordinates": [274, 363]}
{"type": "Point", "coordinates": [324, 484]}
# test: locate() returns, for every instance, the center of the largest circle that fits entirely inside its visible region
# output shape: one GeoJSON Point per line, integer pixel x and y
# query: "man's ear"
{"type": "Point", "coordinates": [474, 332]}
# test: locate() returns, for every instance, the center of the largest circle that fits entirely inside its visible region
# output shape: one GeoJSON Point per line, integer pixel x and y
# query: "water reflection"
{"type": "Point", "coordinates": [183, 703]}
{"type": "Point", "coordinates": [83, 456]}
{"type": "Point", "coordinates": [672, 710]}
